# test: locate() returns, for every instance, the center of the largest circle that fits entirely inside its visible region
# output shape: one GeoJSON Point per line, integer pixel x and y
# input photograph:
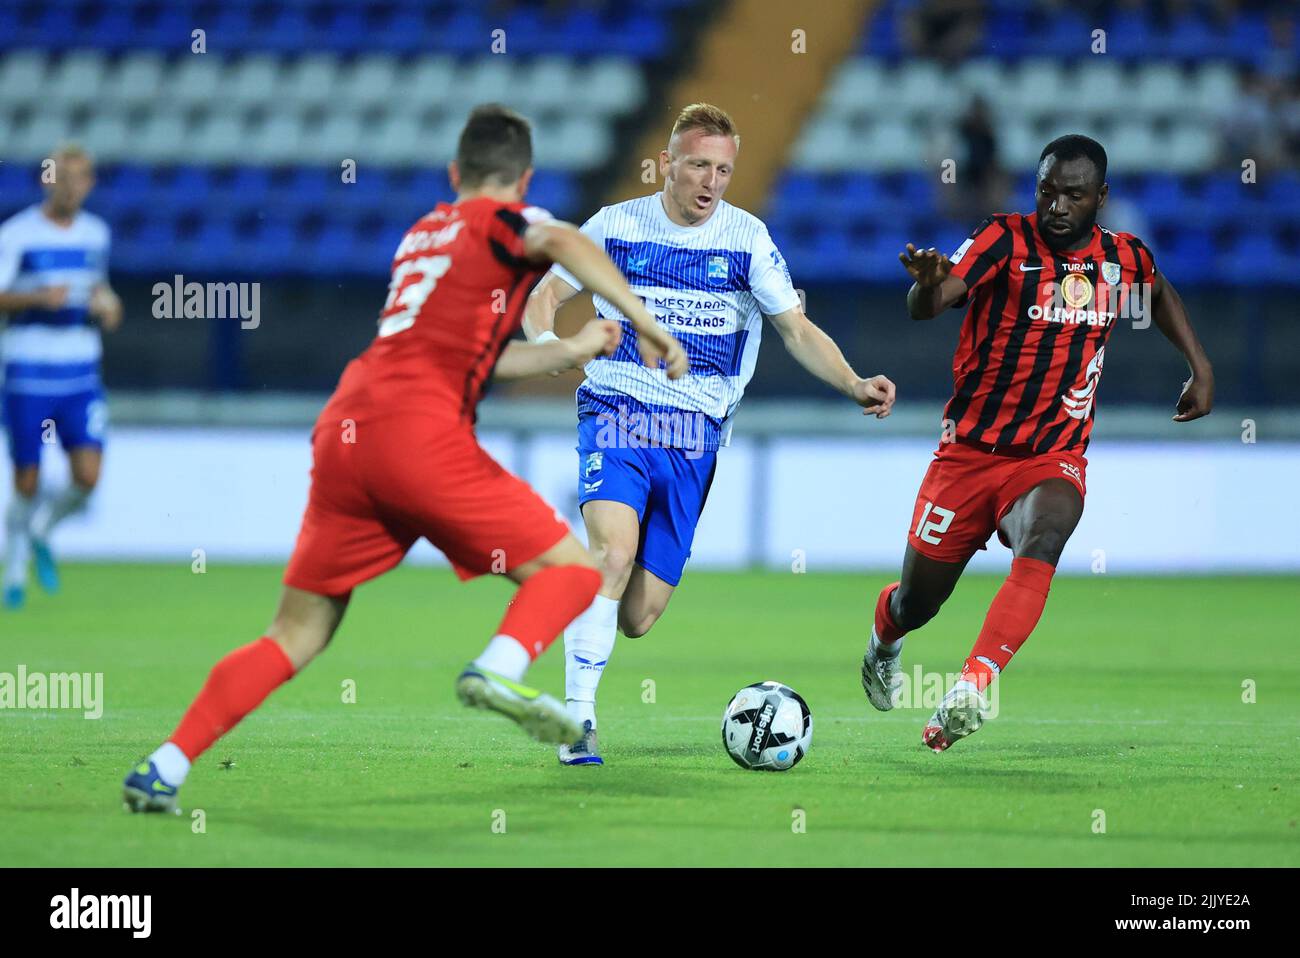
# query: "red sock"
{"type": "Point", "coordinates": [235, 686]}
{"type": "Point", "coordinates": [886, 630]}
{"type": "Point", "coordinates": [547, 602]}
{"type": "Point", "coordinates": [1015, 611]}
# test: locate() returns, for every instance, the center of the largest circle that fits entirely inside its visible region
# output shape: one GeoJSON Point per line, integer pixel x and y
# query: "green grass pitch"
{"type": "Point", "coordinates": [1127, 701]}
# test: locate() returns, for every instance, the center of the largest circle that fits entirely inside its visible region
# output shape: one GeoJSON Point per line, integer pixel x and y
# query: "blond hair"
{"type": "Point", "coordinates": [70, 150]}
{"type": "Point", "coordinates": [713, 120]}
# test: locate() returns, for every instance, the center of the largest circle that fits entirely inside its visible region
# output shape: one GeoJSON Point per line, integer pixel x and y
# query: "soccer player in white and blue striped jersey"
{"type": "Point", "coordinates": [647, 446]}
{"type": "Point", "coordinates": [54, 288]}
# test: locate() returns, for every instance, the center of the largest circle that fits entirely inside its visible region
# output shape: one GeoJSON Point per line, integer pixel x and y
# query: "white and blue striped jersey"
{"type": "Point", "coordinates": [710, 285]}
{"type": "Point", "coordinates": [52, 352]}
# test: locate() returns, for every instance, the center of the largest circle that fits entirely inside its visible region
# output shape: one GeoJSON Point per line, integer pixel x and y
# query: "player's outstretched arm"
{"type": "Point", "coordinates": [934, 288]}
{"type": "Point", "coordinates": [816, 352]}
{"type": "Point", "coordinates": [520, 360]}
{"type": "Point", "coordinates": [1170, 317]}
{"type": "Point", "coordinates": [565, 244]}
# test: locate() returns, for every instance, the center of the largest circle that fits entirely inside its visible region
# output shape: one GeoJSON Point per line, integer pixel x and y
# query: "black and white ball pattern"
{"type": "Point", "coordinates": [767, 727]}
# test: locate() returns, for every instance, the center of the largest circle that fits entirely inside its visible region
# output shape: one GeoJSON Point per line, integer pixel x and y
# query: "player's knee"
{"type": "Point", "coordinates": [86, 476]}
{"type": "Point", "coordinates": [615, 564]}
{"type": "Point", "coordinates": [1043, 540]}
{"type": "Point", "coordinates": [911, 611]}
{"type": "Point", "coordinates": [636, 623]}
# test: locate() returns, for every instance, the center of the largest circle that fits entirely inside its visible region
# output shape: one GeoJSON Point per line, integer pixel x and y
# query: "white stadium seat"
{"type": "Point", "coordinates": [196, 80]}
{"type": "Point", "coordinates": [162, 138]}
{"type": "Point", "coordinates": [370, 81]}
{"type": "Point", "coordinates": [1214, 90]}
{"type": "Point", "coordinates": [309, 81]}
{"type": "Point", "coordinates": [858, 87]}
{"type": "Point", "coordinates": [138, 79]}
{"type": "Point", "coordinates": [22, 76]}
{"type": "Point", "coordinates": [1190, 147]}
{"type": "Point", "coordinates": [220, 137]}
{"type": "Point", "coordinates": [105, 135]}
{"type": "Point", "coordinates": [546, 84]}
{"type": "Point", "coordinates": [429, 81]}
{"type": "Point", "coordinates": [608, 86]}
{"type": "Point", "coordinates": [277, 139]}
{"type": "Point", "coordinates": [1160, 89]}
{"type": "Point", "coordinates": [36, 138]}
{"type": "Point", "coordinates": [76, 79]}
{"type": "Point", "coordinates": [252, 79]}
{"type": "Point", "coordinates": [1037, 86]}
{"type": "Point", "coordinates": [485, 80]}
{"type": "Point", "coordinates": [336, 138]}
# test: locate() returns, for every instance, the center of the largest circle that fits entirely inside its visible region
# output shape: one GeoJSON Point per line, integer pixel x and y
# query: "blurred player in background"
{"type": "Point", "coordinates": [54, 286]}
{"type": "Point", "coordinates": [395, 455]}
{"type": "Point", "coordinates": [647, 447]}
{"type": "Point", "coordinates": [1045, 291]}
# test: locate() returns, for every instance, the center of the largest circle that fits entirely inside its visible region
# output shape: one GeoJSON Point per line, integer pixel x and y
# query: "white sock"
{"type": "Point", "coordinates": [172, 764]}
{"type": "Point", "coordinates": [57, 508]}
{"type": "Point", "coordinates": [964, 684]}
{"type": "Point", "coordinates": [506, 656]}
{"type": "Point", "coordinates": [588, 642]}
{"type": "Point", "coordinates": [886, 651]}
{"type": "Point", "coordinates": [17, 546]}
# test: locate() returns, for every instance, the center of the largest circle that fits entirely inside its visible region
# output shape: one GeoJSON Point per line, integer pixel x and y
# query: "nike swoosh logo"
{"type": "Point", "coordinates": [1007, 650]}
{"type": "Point", "coordinates": [1026, 269]}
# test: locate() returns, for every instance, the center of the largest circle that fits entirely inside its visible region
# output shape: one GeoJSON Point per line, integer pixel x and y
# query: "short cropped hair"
{"type": "Point", "coordinates": [496, 144]}
{"type": "Point", "coordinates": [1074, 146]}
{"type": "Point", "coordinates": [71, 151]}
{"type": "Point", "coordinates": [714, 121]}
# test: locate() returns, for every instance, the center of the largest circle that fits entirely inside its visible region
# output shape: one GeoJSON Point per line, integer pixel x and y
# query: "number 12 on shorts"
{"type": "Point", "coordinates": [929, 531]}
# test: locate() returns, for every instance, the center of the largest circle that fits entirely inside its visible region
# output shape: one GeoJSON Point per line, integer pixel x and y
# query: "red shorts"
{"type": "Point", "coordinates": [402, 478]}
{"type": "Point", "coordinates": [966, 493]}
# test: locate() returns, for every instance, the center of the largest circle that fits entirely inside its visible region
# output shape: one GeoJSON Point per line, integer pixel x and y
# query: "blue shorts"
{"type": "Point", "coordinates": [79, 419]}
{"type": "Point", "coordinates": [666, 487]}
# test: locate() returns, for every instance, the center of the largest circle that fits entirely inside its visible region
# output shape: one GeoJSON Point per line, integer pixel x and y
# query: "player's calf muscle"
{"type": "Point", "coordinates": [913, 608]}
{"type": "Point", "coordinates": [304, 623]}
{"type": "Point", "coordinates": [26, 481]}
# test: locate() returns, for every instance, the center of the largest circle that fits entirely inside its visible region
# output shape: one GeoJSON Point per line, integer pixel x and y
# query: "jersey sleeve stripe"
{"type": "Point", "coordinates": [506, 258]}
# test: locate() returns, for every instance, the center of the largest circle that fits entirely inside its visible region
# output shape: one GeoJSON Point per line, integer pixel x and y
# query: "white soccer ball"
{"type": "Point", "coordinates": [767, 727]}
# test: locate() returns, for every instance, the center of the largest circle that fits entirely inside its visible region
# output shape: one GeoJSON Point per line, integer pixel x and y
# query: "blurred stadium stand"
{"type": "Point", "coordinates": [226, 165]}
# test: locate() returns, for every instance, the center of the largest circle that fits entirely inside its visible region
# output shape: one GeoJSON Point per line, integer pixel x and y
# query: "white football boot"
{"type": "Point", "coordinates": [882, 677]}
{"type": "Point", "coordinates": [961, 713]}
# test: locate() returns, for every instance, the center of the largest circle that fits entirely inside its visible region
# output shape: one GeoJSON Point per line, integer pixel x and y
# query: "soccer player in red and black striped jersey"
{"type": "Point", "coordinates": [1045, 291]}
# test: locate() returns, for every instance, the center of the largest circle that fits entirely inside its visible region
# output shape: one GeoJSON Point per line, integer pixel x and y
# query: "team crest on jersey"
{"type": "Point", "coordinates": [718, 270]}
{"type": "Point", "coordinates": [595, 460]}
{"type": "Point", "coordinates": [1076, 289]}
{"type": "Point", "coordinates": [1110, 273]}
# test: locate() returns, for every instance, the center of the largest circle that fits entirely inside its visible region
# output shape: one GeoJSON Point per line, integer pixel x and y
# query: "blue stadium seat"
{"type": "Point", "coordinates": [1191, 38]}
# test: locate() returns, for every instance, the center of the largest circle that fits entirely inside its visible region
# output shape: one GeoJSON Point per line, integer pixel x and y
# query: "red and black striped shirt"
{"type": "Point", "coordinates": [1032, 343]}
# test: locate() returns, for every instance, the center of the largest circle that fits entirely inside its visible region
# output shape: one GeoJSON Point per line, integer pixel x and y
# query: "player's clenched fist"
{"type": "Point", "coordinates": [927, 266]}
{"type": "Point", "coordinates": [1197, 398]}
{"type": "Point", "coordinates": [599, 337]}
{"type": "Point", "coordinates": [656, 344]}
{"type": "Point", "coordinates": [875, 396]}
